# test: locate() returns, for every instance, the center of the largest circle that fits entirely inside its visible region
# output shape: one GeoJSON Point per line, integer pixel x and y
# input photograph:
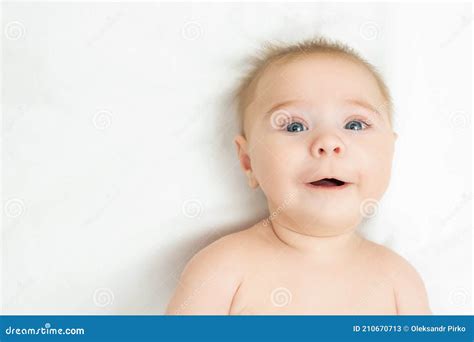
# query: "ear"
{"type": "Point", "coordinates": [245, 163]}
{"type": "Point", "coordinates": [241, 145]}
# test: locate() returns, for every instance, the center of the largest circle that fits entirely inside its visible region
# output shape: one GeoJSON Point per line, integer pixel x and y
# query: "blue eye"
{"type": "Point", "coordinates": [296, 127]}
{"type": "Point", "coordinates": [356, 125]}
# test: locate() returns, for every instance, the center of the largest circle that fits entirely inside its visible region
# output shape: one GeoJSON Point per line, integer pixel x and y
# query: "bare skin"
{"type": "Point", "coordinates": [257, 272]}
{"type": "Point", "coordinates": [308, 258]}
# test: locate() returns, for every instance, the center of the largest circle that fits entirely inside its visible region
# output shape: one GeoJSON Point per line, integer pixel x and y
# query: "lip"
{"type": "Point", "coordinates": [328, 188]}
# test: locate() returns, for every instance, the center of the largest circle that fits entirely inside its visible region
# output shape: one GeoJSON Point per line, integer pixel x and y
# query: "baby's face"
{"type": "Point", "coordinates": [320, 116]}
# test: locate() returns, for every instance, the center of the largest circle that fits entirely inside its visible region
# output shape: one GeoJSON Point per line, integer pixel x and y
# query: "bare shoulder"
{"type": "Point", "coordinates": [408, 286]}
{"type": "Point", "coordinates": [212, 276]}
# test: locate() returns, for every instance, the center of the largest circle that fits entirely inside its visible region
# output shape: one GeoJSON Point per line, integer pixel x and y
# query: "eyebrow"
{"type": "Point", "coordinates": [354, 102]}
{"type": "Point", "coordinates": [363, 104]}
{"type": "Point", "coordinates": [283, 104]}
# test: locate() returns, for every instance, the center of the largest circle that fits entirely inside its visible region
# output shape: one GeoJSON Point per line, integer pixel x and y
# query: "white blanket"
{"type": "Point", "coordinates": [118, 155]}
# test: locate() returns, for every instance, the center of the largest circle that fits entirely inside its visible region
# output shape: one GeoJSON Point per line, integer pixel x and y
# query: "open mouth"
{"type": "Point", "coordinates": [328, 182]}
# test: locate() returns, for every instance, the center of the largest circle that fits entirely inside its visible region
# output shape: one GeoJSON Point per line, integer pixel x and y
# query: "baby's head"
{"type": "Point", "coordinates": [312, 111]}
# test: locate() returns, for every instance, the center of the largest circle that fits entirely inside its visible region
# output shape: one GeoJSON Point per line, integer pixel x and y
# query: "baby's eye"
{"type": "Point", "coordinates": [296, 127]}
{"type": "Point", "coordinates": [356, 125]}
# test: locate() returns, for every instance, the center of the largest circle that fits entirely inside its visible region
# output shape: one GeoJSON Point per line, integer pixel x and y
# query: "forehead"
{"type": "Point", "coordinates": [322, 79]}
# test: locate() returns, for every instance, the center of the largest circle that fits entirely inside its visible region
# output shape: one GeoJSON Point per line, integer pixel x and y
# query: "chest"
{"type": "Point", "coordinates": [346, 290]}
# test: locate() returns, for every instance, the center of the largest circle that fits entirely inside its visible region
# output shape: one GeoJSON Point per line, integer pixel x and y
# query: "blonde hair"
{"type": "Point", "coordinates": [279, 52]}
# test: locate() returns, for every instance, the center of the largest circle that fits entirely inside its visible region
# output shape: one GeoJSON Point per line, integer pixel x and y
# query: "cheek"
{"type": "Point", "coordinates": [376, 169]}
{"type": "Point", "coordinates": [274, 166]}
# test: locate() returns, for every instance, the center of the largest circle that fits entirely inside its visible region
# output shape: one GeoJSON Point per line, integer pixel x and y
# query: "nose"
{"type": "Point", "coordinates": [327, 145]}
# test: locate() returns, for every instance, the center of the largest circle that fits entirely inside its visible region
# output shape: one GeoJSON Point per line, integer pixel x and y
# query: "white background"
{"type": "Point", "coordinates": [117, 155]}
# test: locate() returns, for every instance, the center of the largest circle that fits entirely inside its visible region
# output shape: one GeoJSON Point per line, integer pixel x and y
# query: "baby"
{"type": "Point", "coordinates": [317, 138]}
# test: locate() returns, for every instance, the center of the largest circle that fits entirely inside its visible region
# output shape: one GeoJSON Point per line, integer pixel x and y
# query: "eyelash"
{"type": "Point", "coordinates": [365, 122]}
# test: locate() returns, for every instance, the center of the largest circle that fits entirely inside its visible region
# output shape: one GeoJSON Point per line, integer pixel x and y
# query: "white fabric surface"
{"type": "Point", "coordinates": [118, 162]}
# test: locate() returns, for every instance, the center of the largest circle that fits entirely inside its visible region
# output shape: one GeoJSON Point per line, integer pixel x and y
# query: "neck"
{"type": "Point", "coordinates": [338, 245]}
